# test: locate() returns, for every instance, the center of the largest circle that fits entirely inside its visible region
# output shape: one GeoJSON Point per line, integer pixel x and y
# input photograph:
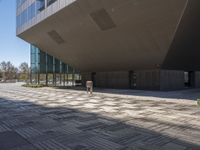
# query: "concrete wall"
{"type": "Point", "coordinates": [148, 79]}
{"type": "Point", "coordinates": [85, 77]}
{"type": "Point", "coordinates": [113, 79]}
{"type": "Point", "coordinates": [160, 80]}
{"type": "Point", "coordinates": [197, 79]}
{"type": "Point", "coordinates": [171, 80]}
{"type": "Point", "coordinates": [118, 79]}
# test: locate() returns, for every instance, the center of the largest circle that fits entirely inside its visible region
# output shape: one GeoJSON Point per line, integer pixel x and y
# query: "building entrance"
{"type": "Point", "coordinates": [189, 77]}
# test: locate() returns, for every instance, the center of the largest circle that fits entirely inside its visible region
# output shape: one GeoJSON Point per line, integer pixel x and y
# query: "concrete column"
{"type": "Point", "coordinates": [54, 79]}
{"type": "Point", "coordinates": [64, 78]}
{"type": "Point", "coordinates": [73, 79]}
{"type": "Point", "coordinates": [67, 75]}
{"type": "Point", "coordinates": [47, 79]}
{"type": "Point", "coordinates": [38, 77]}
{"type": "Point", "coordinates": [197, 79]}
{"type": "Point", "coordinates": [60, 76]}
{"type": "Point", "coordinates": [31, 76]}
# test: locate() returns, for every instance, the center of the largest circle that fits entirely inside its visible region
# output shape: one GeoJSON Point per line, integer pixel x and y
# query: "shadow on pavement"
{"type": "Point", "coordinates": [28, 126]}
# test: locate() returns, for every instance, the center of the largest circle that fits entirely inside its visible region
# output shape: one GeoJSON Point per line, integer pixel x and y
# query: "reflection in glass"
{"type": "Point", "coordinates": [40, 5]}
{"type": "Point", "coordinates": [49, 2]}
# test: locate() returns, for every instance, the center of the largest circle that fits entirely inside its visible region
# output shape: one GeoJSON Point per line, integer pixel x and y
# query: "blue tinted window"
{"type": "Point", "coordinates": [49, 2]}
{"type": "Point", "coordinates": [18, 20]}
{"type": "Point", "coordinates": [46, 63]}
{"type": "Point", "coordinates": [26, 15]}
{"type": "Point", "coordinates": [31, 11]}
{"type": "Point", "coordinates": [20, 2]}
{"type": "Point", "coordinates": [40, 5]}
{"type": "Point", "coordinates": [23, 17]}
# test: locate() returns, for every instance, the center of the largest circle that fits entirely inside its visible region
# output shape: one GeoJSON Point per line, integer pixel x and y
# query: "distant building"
{"type": "Point", "coordinates": [139, 44]}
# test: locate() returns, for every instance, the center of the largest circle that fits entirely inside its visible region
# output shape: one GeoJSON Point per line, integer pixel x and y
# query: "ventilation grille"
{"type": "Point", "coordinates": [56, 37]}
{"type": "Point", "coordinates": [103, 19]}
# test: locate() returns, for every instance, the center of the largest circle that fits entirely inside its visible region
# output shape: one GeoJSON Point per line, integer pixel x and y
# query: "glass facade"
{"type": "Point", "coordinates": [49, 70]}
{"type": "Point", "coordinates": [32, 10]}
{"type": "Point", "coordinates": [49, 2]}
{"type": "Point", "coordinates": [26, 15]}
{"type": "Point", "coordinates": [20, 2]}
{"type": "Point", "coordinates": [40, 5]}
{"type": "Point", "coordinates": [44, 68]}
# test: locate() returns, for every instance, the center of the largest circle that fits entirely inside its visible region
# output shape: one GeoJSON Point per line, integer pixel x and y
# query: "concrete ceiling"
{"type": "Point", "coordinates": [184, 51]}
{"type": "Point", "coordinates": [102, 35]}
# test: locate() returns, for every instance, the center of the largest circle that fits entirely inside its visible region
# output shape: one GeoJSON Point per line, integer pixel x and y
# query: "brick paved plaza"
{"type": "Point", "coordinates": [61, 119]}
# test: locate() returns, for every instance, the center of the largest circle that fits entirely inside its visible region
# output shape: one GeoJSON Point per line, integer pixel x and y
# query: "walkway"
{"type": "Point", "coordinates": [56, 119]}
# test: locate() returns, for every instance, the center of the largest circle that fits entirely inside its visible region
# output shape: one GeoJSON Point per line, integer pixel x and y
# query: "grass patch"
{"type": "Point", "coordinates": [198, 102]}
{"type": "Point", "coordinates": [34, 85]}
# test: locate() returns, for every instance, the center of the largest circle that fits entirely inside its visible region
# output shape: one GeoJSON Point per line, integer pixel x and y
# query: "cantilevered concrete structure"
{"type": "Point", "coordinates": [142, 44]}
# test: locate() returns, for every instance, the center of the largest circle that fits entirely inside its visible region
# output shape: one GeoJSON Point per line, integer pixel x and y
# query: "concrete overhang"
{"type": "Point", "coordinates": [184, 50]}
{"type": "Point", "coordinates": [110, 35]}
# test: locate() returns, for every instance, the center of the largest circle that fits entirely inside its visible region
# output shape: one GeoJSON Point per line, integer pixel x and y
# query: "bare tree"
{"type": "Point", "coordinates": [24, 68]}
{"type": "Point", "coordinates": [8, 70]}
{"type": "Point", "coordinates": [24, 71]}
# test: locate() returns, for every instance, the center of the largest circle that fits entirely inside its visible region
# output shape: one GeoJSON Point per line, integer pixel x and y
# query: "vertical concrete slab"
{"type": "Point", "coordinates": [119, 79]}
{"type": "Point", "coordinates": [171, 80]}
{"type": "Point", "coordinates": [197, 79]}
{"type": "Point", "coordinates": [148, 79]}
{"type": "Point", "coordinates": [145, 79]}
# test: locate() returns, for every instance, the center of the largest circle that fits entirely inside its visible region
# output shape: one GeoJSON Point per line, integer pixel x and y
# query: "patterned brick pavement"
{"type": "Point", "coordinates": [55, 119]}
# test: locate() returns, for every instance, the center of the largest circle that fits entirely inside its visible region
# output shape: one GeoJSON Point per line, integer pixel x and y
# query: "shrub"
{"type": "Point", "coordinates": [34, 85]}
{"type": "Point", "coordinates": [198, 102]}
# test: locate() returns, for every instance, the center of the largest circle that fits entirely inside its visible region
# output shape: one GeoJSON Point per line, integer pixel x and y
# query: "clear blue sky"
{"type": "Point", "coordinates": [11, 48]}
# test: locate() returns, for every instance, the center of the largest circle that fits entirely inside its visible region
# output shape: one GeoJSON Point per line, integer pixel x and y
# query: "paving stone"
{"type": "Point", "coordinates": [4, 128]}
{"type": "Point", "coordinates": [67, 129]}
{"type": "Point", "coordinates": [60, 119]}
{"type": "Point", "coordinates": [173, 146]}
{"type": "Point", "coordinates": [12, 122]}
{"type": "Point", "coordinates": [9, 140]}
{"type": "Point", "coordinates": [50, 145]}
{"type": "Point", "coordinates": [25, 147]}
{"type": "Point", "coordinates": [28, 132]}
{"type": "Point", "coordinates": [102, 144]}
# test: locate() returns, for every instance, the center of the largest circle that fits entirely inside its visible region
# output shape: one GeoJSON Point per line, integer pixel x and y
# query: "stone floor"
{"type": "Point", "coordinates": [58, 119]}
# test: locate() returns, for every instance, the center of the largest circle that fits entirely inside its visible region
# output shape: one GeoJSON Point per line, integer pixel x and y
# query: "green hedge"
{"type": "Point", "coordinates": [34, 85]}
{"type": "Point", "coordinates": [198, 102]}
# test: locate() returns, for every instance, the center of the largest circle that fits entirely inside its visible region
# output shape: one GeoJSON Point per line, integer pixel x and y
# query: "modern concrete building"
{"type": "Point", "coordinates": [142, 44]}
